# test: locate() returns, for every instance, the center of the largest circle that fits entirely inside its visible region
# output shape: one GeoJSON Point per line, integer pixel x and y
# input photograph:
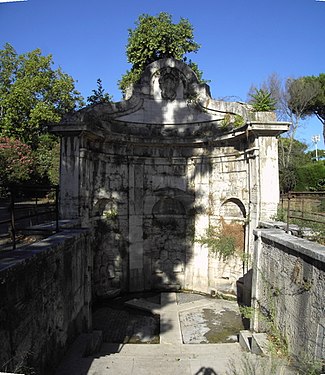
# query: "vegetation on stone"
{"type": "Point", "coordinates": [230, 120]}
{"type": "Point", "coordinates": [262, 100]}
{"type": "Point", "coordinates": [154, 38]}
{"type": "Point", "coordinates": [99, 95]}
{"type": "Point", "coordinates": [225, 240]}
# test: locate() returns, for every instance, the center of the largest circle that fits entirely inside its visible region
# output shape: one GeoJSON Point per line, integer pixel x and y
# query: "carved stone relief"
{"type": "Point", "coordinates": [168, 82]}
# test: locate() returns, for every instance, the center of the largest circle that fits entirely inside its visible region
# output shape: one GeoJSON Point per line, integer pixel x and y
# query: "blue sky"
{"type": "Point", "coordinates": [242, 42]}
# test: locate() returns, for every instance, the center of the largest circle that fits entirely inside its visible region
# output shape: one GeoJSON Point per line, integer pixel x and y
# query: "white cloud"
{"type": "Point", "coordinates": [11, 1]}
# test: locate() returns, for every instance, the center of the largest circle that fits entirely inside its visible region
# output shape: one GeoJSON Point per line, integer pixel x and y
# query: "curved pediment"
{"type": "Point", "coordinates": [169, 79]}
{"type": "Point", "coordinates": [167, 102]}
{"type": "Point", "coordinates": [171, 94]}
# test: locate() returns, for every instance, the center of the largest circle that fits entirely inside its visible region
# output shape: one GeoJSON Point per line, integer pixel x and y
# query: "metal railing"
{"type": "Point", "coordinates": [307, 206]}
{"type": "Point", "coordinates": [26, 206]}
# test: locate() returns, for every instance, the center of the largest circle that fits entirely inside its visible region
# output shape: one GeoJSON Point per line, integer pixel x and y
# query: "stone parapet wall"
{"type": "Point", "coordinates": [45, 292]}
{"type": "Point", "coordinates": [289, 288]}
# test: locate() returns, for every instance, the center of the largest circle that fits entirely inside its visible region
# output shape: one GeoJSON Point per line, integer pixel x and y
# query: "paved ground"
{"type": "Point", "coordinates": [183, 318]}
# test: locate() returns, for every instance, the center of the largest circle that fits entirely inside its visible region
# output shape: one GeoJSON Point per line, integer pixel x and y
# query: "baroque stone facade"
{"type": "Point", "coordinates": [153, 172]}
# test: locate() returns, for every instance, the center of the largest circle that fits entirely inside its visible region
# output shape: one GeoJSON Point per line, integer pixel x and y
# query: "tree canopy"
{"type": "Point", "coordinates": [303, 172]}
{"type": "Point", "coordinates": [32, 94]}
{"type": "Point", "coordinates": [154, 38]}
{"type": "Point", "coordinates": [291, 98]}
{"type": "Point", "coordinates": [315, 106]}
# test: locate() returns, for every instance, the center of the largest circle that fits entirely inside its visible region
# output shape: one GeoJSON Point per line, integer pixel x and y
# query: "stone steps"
{"type": "Point", "coordinates": [254, 342]}
{"type": "Point", "coordinates": [85, 345]}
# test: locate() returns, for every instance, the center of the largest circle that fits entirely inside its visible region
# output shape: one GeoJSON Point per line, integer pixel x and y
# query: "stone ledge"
{"type": "Point", "coordinates": [15, 258]}
{"type": "Point", "coordinates": [300, 245]}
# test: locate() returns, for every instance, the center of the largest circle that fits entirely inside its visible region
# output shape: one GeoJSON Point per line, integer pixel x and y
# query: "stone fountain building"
{"type": "Point", "coordinates": [152, 173]}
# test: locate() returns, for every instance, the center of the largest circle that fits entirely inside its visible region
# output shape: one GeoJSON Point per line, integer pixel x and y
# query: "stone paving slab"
{"type": "Point", "coordinates": [120, 326]}
{"type": "Point", "coordinates": [189, 297]}
{"type": "Point", "coordinates": [171, 356]}
{"type": "Point", "coordinates": [167, 359]}
{"type": "Point", "coordinates": [144, 305]}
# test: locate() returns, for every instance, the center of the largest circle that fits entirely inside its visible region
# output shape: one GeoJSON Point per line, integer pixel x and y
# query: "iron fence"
{"type": "Point", "coordinates": [24, 207]}
{"type": "Point", "coordinates": [304, 206]}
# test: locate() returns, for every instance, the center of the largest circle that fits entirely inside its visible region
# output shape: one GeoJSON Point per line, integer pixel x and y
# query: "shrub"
{"type": "Point", "coordinates": [16, 161]}
{"type": "Point", "coordinates": [310, 176]}
{"type": "Point", "coordinates": [225, 240]}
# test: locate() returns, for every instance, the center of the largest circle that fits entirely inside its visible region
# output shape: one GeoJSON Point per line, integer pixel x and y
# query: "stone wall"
{"type": "Point", "coordinates": [289, 287]}
{"type": "Point", "coordinates": [45, 301]}
{"type": "Point", "coordinates": [149, 210]}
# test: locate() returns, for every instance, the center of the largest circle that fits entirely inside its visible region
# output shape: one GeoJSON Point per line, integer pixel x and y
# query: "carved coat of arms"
{"type": "Point", "coordinates": [168, 82]}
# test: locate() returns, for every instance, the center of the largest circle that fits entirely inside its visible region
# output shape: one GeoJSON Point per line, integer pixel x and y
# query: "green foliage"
{"type": "Point", "coordinates": [298, 150]}
{"type": "Point", "coordinates": [247, 311]}
{"type": "Point", "coordinates": [99, 95]}
{"type": "Point", "coordinates": [230, 120]}
{"type": "Point", "coordinates": [309, 366]}
{"type": "Point", "coordinates": [317, 229]}
{"type": "Point", "coordinates": [281, 215]}
{"type": "Point", "coordinates": [238, 121]}
{"type": "Point", "coordinates": [288, 168]}
{"type": "Point", "coordinates": [315, 106]}
{"type": "Point", "coordinates": [154, 38]}
{"type": "Point", "coordinates": [196, 70]}
{"type": "Point", "coordinates": [312, 155]}
{"type": "Point", "coordinates": [311, 176]}
{"type": "Point", "coordinates": [16, 161]}
{"type": "Point", "coordinates": [262, 100]}
{"type": "Point", "coordinates": [47, 160]}
{"type": "Point", "coordinates": [293, 100]}
{"type": "Point", "coordinates": [218, 243]}
{"type": "Point", "coordinates": [225, 122]}
{"type": "Point", "coordinates": [32, 94]}
{"type": "Point", "coordinates": [111, 214]}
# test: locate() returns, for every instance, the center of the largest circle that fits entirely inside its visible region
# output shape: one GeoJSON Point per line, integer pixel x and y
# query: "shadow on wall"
{"type": "Point", "coordinates": [155, 199]}
{"type": "Point", "coordinates": [154, 171]}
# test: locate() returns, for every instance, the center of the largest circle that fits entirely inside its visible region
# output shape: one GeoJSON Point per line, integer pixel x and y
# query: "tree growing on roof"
{"type": "Point", "coordinates": [154, 38]}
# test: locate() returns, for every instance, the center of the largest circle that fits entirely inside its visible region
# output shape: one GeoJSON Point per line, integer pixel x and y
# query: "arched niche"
{"type": "Point", "coordinates": [168, 206]}
{"type": "Point", "coordinates": [233, 209]}
{"type": "Point", "coordinates": [233, 221]}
